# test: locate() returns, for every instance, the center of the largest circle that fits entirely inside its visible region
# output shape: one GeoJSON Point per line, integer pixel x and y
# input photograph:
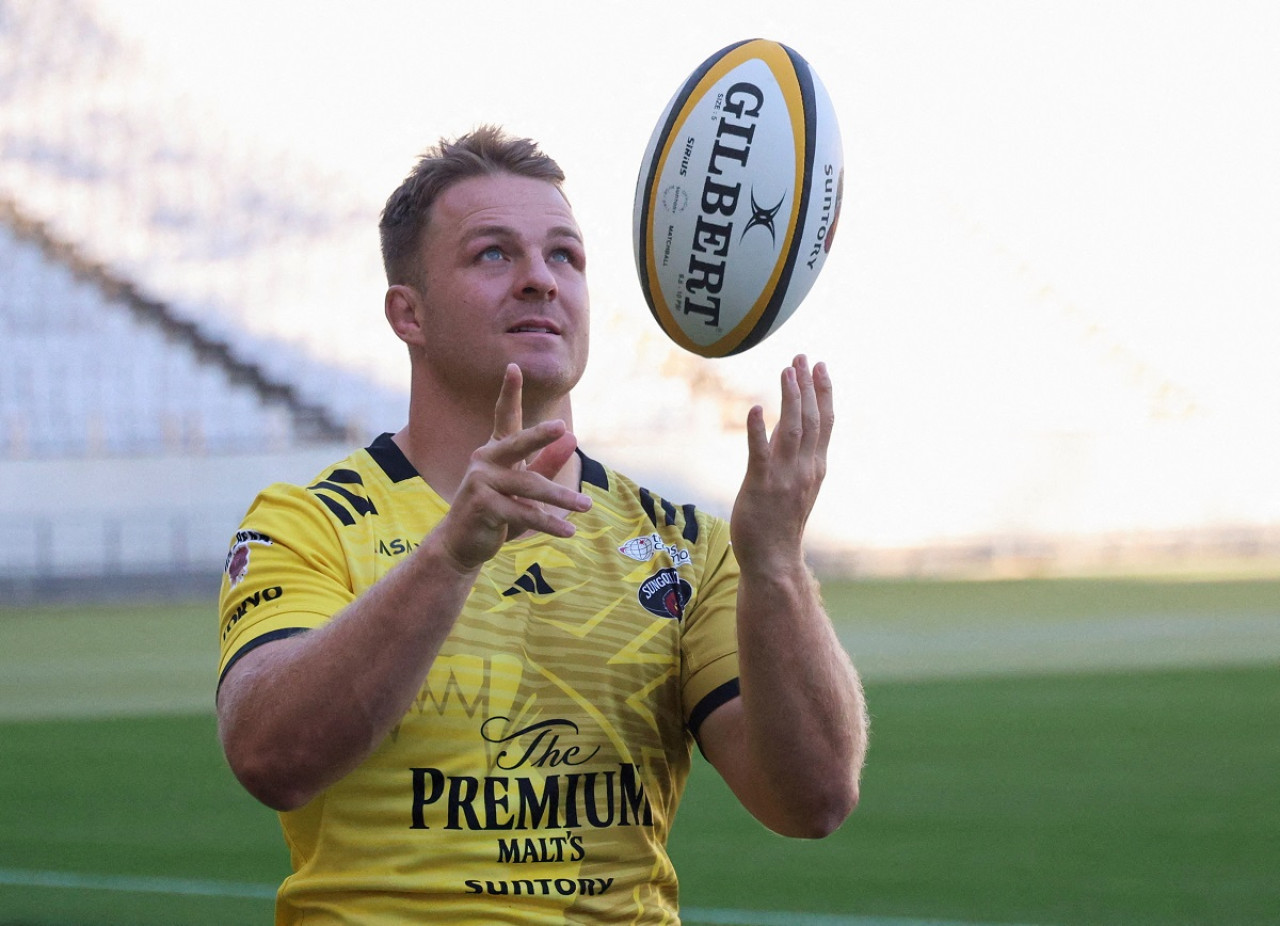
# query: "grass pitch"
{"type": "Point", "coordinates": [1015, 790]}
{"type": "Point", "coordinates": [1072, 800]}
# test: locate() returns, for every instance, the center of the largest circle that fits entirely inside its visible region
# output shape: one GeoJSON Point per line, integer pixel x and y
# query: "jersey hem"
{"type": "Point", "coordinates": [715, 698]}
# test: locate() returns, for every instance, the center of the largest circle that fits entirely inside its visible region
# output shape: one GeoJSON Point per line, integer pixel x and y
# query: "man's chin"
{"type": "Point", "coordinates": [546, 378]}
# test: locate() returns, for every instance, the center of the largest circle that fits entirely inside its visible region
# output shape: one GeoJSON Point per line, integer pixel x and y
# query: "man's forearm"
{"type": "Point", "coordinates": [803, 706]}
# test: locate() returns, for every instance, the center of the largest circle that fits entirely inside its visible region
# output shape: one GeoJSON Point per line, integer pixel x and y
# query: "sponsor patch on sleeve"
{"type": "Point", "coordinates": [237, 565]}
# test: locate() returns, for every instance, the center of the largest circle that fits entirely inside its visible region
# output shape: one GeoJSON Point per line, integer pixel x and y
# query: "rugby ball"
{"type": "Point", "coordinates": [737, 198]}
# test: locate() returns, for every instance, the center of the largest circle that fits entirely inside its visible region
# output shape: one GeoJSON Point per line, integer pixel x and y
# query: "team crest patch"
{"type": "Point", "coordinates": [643, 549]}
{"type": "Point", "coordinates": [665, 594]}
{"type": "Point", "coordinates": [237, 565]}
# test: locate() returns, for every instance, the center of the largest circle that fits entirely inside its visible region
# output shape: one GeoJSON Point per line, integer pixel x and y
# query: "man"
{"type": "Point", "coordinates": [468, 663]}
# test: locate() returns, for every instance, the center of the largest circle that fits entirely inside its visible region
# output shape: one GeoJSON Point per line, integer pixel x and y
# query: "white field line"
{"type": "Point", "coordinates": [696, 916]}
{"type": "Point", "coordinates": [184, 887]}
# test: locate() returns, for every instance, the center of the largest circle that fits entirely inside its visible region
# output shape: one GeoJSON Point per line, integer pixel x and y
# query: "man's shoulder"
{"type": "Point", "coordinates": [348, 488]}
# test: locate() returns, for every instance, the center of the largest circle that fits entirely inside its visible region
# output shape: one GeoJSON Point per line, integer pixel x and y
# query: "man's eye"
{"type": "Point", "coordinates": [492, 252]}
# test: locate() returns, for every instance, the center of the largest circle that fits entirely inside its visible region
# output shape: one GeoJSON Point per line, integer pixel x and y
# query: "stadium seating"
{"type": "Point", "coordinates": [84, 376]}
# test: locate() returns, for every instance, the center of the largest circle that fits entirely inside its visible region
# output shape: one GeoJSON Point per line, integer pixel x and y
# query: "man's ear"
{"type": "Point", "coordinates": [401, 306]}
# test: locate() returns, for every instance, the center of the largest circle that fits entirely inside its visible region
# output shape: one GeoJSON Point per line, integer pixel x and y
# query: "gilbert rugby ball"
{"type": "Point", "coordinates": [737, 198]}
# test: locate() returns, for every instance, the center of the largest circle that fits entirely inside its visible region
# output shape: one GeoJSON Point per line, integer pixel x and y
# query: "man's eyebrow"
{"type": "Point", "coordinates": [489, 231]}
{"type": "Point", "coordinates": [506, 231]}
{"type": "Point", "coordinates": [565, 231]}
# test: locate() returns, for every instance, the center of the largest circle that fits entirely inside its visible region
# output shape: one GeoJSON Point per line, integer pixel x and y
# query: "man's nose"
{"type": "Point", "coordinates": [538, 282]}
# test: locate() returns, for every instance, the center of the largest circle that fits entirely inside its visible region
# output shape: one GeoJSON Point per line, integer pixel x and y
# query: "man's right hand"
{"type": "Point", "coordinates": [509, 487]}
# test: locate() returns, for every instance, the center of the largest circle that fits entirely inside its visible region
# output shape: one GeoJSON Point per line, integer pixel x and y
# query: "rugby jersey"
{"type": "Point", "coordinates": [536, 776]}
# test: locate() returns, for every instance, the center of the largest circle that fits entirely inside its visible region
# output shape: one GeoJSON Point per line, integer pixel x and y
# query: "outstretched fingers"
{"type": "Point", "coordinates": [789, 431]}
{"type": "Point", "coordinates": [785, 469]}
{"type": "Point", "coordinates": [825, 410]}
{"type": "Point", "coordinates": [803, 427]}
{"type": "Point", "coordinates": [758, 438]}
{"type": "Point", "coordinates": [513, 450]}
{"type": "Point", "coordinates": [510, 487]}
{"type": "Point", "coordinates": [810, 420]}
{"type": "Point", "coordinates": [508, 413]}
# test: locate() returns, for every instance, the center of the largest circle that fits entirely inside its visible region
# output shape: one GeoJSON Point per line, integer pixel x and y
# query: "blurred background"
{"type": "Point", "coordinates": [1051, 314]}
{"type": "Point", "coordinates": [1051, 311]}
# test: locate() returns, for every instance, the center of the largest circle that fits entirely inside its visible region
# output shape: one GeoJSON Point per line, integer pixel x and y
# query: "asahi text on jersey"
{"type": "Point", "coordinates": [721, 192]}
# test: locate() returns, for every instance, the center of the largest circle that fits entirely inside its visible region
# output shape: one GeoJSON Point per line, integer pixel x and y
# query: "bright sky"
{"type": "Point", "coordinates": [1054, 301]}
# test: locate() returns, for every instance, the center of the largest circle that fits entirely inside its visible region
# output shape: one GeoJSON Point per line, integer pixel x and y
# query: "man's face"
{"type": "Point", "coordinates": [504, 280]}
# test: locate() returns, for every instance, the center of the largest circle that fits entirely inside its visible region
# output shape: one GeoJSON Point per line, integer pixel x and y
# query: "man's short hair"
{"type": "Point", "coordinates": [486, 150]}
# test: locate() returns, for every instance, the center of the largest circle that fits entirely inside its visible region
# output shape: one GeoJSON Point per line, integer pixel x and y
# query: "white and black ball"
{"type": "Point", "coordinates": [737, 198]}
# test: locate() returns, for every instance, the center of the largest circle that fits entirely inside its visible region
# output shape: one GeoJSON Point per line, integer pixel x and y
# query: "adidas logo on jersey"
{"type": "Point", "coordinates": [532, 581]}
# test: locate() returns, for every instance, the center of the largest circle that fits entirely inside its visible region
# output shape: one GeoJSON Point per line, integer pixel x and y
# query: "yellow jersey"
{"type": "Point", "coordinates": [535, 777]}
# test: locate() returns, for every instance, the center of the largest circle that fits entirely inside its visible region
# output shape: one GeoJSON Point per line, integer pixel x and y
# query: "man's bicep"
{"type": "Point", "coordinates": [719, 732]}
{"type": "Point", "coordinates": [247, 669]}
{"type": "Point", "coordinates": [248, 658]}
{"type": "Point", "coordinates": [726, 743]}
{"type": "Point", "coordinates": [722, 738]}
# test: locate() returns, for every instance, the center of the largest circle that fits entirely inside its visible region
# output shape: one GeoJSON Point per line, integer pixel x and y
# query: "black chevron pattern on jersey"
{"type": "Point", "coordinates": [336, 483]}
{"type": "Point", "coordinates": [670, 516]}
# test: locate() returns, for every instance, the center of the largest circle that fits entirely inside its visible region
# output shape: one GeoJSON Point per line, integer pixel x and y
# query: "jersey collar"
{"type": "Point", "coordinates": [396, 465]}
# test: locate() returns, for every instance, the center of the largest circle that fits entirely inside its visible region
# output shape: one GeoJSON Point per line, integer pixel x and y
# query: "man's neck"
{"type": "Point", "coordinates": [440, 439]}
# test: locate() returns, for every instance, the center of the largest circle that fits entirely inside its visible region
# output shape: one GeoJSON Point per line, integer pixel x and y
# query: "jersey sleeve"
{"type": "Point", "coordinates": [709, 664]}
{"type": "Point", "coordinates": [285, 573]}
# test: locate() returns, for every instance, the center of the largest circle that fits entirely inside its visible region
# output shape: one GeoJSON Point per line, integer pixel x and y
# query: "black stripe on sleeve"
{"type": "Point", "coordinates": [722, 695]}
{"type": "Point", "coordinates": [282, 634]}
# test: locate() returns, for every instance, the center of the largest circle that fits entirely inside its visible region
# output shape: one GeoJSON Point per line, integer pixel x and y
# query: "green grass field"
{"type": "Point", "coordinates": [1056, 753]}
